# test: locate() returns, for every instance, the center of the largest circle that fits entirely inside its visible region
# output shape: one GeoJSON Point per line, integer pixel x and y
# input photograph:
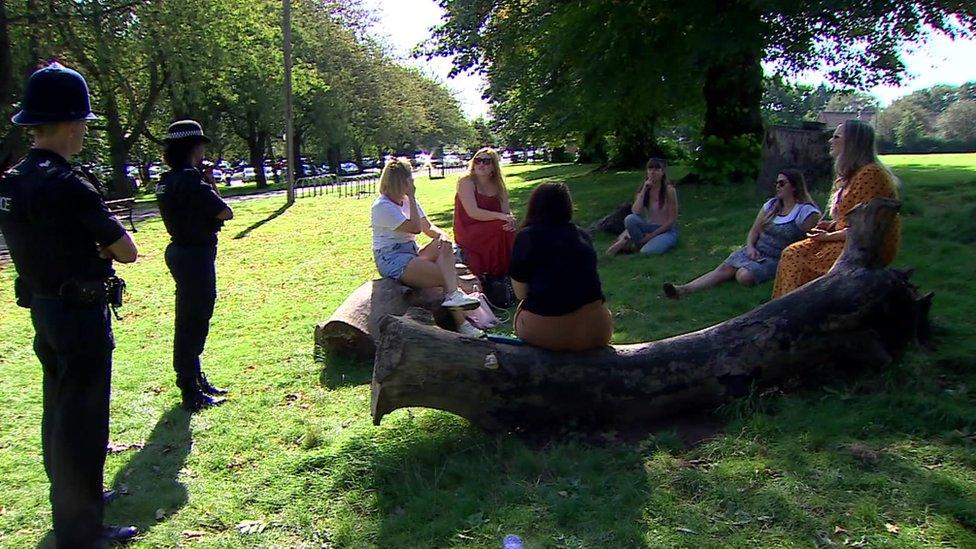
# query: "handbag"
{"type": "Point", "coordinates": [498, 290]}
{"type": "Point", "coordinates": [482, 317]}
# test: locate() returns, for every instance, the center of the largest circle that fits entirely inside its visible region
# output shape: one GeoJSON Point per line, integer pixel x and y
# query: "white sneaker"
{"type": "Point", "coordinates": [468, 329]}
{"type": "Point", "coordinates": [460, 300]}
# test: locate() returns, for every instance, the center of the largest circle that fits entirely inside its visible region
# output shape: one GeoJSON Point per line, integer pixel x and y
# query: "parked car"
{"type": "Point", "coordinates": [369, 162]}
{"type": "Point", "coordinates": [348, 168]}
{"type": "Point", "coordinates": [452, 161]}
{"type": "Point", "coordinates": [248, 173]}
{"type": "Point", "coordinates": [155, 171]}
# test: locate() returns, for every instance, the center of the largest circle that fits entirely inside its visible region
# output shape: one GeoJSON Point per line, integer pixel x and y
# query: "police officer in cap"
{"type": "Point", "coordinates": [62, 240]}
{"type": "Point", "coordinates": [193, 213]}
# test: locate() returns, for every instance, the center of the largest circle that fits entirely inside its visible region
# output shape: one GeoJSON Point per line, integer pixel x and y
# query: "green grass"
{"type": "Point", "coordinates": [296, 450]}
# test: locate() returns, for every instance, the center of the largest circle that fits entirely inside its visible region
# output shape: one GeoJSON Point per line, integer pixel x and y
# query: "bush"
{"type": "Point", "coordinates": [731, 160]}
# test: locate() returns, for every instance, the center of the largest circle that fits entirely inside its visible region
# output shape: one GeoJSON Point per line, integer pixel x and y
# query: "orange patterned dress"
{"type": "Point", "coordinates": [808, 259]}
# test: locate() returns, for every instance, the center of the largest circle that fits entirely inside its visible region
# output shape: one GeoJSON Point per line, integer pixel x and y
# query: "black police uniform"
{"type": "Point", "coordinates": [52, 218]}
{"type": "Point", "coordinates": [189, 206]}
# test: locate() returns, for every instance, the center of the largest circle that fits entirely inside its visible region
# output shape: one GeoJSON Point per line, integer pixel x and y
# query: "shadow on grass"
{"type": "Point", "coordinates": [276, 213]}
{"type": "Point", "coordinates": [342, 371]}
{"type": "Point", "coordinates": [440, 482]}
{"type": "Point", "coordinates": [151, 477]}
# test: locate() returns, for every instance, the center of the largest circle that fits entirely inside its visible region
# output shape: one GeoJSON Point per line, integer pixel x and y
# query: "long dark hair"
{"type": "Point", "coordinates": [177, 153]}
{"type": "Point", "coordinates": [800, 194]}
{"type": "Point", "coordinates": [662, 193]}
{"type": "Point", "coordinates": [549, 204]}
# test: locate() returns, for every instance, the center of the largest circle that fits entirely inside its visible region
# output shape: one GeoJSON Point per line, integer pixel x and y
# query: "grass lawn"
{"type": "Point", "coordinates": [878, 458]}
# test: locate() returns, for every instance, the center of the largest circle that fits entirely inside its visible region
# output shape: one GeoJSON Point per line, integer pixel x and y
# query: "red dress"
{"type": "Point", "coordinates": [487, 246]}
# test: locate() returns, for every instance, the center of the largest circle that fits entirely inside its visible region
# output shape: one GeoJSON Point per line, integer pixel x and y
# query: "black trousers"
{"type": "Point", "coordinates": [193, 270]}
{"type": "Point", "coordinates": [74, 344]}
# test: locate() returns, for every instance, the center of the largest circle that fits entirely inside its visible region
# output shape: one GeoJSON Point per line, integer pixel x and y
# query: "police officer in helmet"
{"type": "Point", "coordinates": [63, 240]}
{"type": "Point", "coordinates": [193, 213]}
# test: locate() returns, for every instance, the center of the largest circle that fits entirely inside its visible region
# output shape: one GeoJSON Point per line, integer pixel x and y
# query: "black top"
{"type": "Point", "coordinates": [189, 206]}
{"type": "Point", "coordinates": [559, 265]}
{"type": "Point", "coordinates": [51, 218]}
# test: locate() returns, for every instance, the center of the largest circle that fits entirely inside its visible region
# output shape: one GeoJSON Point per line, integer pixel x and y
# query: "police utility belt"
{"type": "Point", "coordinates": [99, 291]}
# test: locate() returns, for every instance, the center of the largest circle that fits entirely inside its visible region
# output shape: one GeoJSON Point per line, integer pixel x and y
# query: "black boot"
{"type": "Point", "coordinates": [207, 388]}
{"type": "Point", "coordinates": [195, 400]}
{"type": "Point", "coordinates": [112, 535]}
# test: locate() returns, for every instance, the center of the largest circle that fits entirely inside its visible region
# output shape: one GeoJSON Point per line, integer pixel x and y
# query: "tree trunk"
{"type": "Point", "coordinates": [255, 150]}
{"type": "Point", "coordinates": [354, 327]}
{"type": "Point", "coordinates": [858, 316]}
{"type": "Point", "coordinates": [801, 149]}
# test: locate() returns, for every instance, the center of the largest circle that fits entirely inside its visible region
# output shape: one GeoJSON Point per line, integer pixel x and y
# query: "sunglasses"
{"type": "Point", "coordinates": [781, 182]}
{"type": "Point", "coordinates": [484, 160]}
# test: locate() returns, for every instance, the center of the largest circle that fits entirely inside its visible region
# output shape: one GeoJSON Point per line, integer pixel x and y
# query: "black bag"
{"type": "Point", "coordinates": [498, 290]}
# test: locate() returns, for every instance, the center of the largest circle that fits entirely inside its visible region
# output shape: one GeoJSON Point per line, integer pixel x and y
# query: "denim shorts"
{"type": "Point", "coordinates": [392, 261]}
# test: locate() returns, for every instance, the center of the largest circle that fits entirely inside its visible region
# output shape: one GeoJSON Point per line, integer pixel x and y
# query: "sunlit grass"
{"type": "Point", "coordinates": [295, 448]}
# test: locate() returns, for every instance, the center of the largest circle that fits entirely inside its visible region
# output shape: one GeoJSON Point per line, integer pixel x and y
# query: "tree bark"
{"type": "Point", "coordinates": [801, 149]}
{"type": "Point", "coordinates": [858, 316]}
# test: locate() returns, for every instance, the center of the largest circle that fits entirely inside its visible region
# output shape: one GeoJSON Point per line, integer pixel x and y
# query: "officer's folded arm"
{"type": "Point", "coordinates": [122, 250]}
{"type": "Point", "coordinates": [226, 214]}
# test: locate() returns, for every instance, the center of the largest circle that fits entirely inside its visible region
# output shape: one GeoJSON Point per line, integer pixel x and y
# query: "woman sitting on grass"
{"type": "Point", "coordinates": [554, 274]}
{"type": "Point", "coordinates": [651, 228]}
{"type": "Point", "coordinates": [484, 227]}
{"type": "Point", "coordinates": [397, 219]}
{"type": "Point", "coordinates": [782, 220]}
{"type": "Point", "coordinates": [860, 177]}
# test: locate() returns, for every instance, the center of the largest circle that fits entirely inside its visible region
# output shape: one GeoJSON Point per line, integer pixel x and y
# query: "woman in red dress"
{"type": "Point", "coordinates": [484, 226]}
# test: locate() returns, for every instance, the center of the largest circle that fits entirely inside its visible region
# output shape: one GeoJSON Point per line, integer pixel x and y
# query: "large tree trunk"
{"type": "Point", "coordinates": [802, 149]}
{"type": "Point", "coordinates": [858, 316]}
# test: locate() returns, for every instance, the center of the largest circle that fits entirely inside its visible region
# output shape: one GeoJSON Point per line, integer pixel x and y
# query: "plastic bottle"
{"type": "Point", "coordinates": [512, 541]}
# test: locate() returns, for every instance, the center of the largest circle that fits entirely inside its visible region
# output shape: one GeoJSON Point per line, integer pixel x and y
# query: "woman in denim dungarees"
{"type": "Point", "coordinates": [783, 220]}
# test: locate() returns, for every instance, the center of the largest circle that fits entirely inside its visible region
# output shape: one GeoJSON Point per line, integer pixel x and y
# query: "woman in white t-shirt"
{"type": "Point", "coordinates": [783, 220]}
{"type": "Point", "coordinates": [397, 219]}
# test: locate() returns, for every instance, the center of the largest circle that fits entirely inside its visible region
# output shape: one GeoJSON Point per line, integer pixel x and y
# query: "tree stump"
{"type": "Point", "coordinates": [801, 149]}
{"type": "Point", "coordinates": [354, 327]}
{"type": "Point", "coordinates": [857, 316]}
{"type": "Point", "coordinates": [613, 222]}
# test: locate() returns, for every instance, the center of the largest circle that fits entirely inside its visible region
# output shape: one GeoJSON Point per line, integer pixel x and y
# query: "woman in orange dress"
{"type": "Point", "coordinates": [860, 177]}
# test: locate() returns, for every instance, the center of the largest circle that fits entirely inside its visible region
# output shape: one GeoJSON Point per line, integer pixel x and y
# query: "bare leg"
{"type": "Point", "coordinates": [720, 274]}
{"type": "Point", "coordinates": [744, 276]}
{"type": "Point", "coordinates": [620, 244]}
{"type": "Point", "coordinates": [441, 259]}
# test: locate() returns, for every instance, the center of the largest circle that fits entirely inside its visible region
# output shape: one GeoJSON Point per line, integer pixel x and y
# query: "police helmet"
{"type": "Point", "coordinates": [54, 93]}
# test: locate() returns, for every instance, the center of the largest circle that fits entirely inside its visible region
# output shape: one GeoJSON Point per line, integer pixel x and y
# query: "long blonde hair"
{"type": "Point", "coordinates": [496, 172]}
{"type": "Point", "coordinates": [858, 150]}
{"type": "Point", "coordinates": [396, 173]}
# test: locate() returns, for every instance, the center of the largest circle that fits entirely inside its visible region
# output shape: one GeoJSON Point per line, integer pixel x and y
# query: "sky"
{"type": "Point", "coordinates": [403, 24]}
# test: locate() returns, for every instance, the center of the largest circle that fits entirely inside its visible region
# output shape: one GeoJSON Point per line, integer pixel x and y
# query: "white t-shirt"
{"type": "Point", "coordinates": [387, 215]}
{"type": "Point", "coordinates": [798, 214]}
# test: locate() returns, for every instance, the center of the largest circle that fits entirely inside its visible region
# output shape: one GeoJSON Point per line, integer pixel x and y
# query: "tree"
{"type": "Point", "coordinates": [609, 67]}
{"type": "Point", "coordinates": [958, 122]}
{"type": "Point", "coordinates": [852, 101]}
{"type": "Point", "coordinates": [789, 104]}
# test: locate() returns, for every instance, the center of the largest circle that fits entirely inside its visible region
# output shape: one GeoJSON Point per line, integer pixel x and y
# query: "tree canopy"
{"type": "Point", "coordinates": [619, 72]}
{"type": "Point", "coordinates": [220, 61]}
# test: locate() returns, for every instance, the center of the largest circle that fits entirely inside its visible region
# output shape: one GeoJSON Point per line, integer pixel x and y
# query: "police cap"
{"type": "Point", "coordinates": [186, 129]}
{"type": "Point", "coordinates": [54, 93]}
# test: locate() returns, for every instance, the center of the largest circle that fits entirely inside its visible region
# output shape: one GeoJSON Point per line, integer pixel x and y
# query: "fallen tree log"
{"type": "Point", "coordinates": [354, 326]}
{"type": "Point", "coordinates": [857, 316]}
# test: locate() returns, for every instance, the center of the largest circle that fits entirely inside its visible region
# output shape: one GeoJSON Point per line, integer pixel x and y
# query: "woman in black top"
{"type": "Point", "coordinates": [554, 273]}
{"type": "Point", "coordinates": [193, 213]}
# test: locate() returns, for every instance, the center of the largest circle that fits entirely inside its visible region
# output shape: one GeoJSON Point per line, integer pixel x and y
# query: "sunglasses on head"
{"type": "Point", "coordinates": [482, 160]}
